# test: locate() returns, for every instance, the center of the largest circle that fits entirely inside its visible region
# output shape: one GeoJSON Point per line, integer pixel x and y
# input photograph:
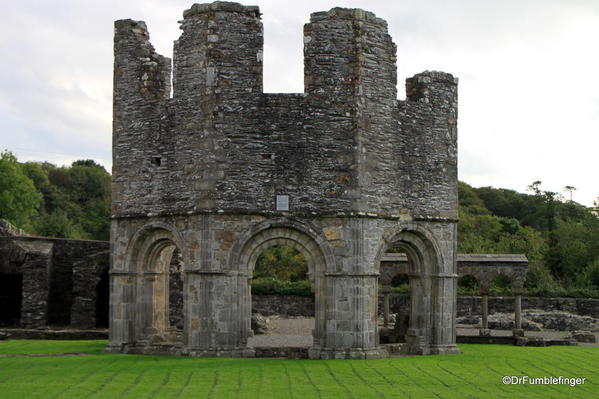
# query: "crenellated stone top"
{"type": "Point", "coordinates": [347, 13]}
{"type": "Point", "coordinates": [227, 6]}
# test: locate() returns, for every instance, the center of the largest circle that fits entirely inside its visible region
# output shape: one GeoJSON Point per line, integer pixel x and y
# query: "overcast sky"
{"type": "Point", "coordinates": [528, 70]}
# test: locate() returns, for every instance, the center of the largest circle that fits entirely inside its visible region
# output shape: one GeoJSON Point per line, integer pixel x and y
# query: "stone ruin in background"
{"type": "Point", "coordinates": [221, 171]}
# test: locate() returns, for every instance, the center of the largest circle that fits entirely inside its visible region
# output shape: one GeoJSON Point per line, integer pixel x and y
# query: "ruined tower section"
{"type": "Point", "coordinates": [427, 157]}
{"type": "Point", "coordinates": [350, 79]}
{"type": "Point", "coordinates": [217, 81]}
{"type": "Point", "coordinates": [350, 71]}
{"type": "Point", "coordinates": [142, 85]}
{"type": "Point", "coordinates": [429, 153]}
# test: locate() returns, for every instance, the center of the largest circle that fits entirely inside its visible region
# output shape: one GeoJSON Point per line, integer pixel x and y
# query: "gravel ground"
{"type": "Point", "coordinates": [286, 332]}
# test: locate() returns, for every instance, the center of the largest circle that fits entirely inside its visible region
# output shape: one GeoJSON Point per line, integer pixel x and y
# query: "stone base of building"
{"type": "Point", "coordinates": [155, 349]}
{"type": "Point", "coordinates": [347, 353]}
{"type": "Point", "coordinates": [220, 352]}
{"type": "Point", "coordinates": [444, 350]}
{"type": "Point", "coordinates": [518, 332]}
{"type": "Point", "coordinates": [177, 350]}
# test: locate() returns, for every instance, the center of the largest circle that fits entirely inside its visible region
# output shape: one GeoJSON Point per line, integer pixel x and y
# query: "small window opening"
{"type": "Point", "coordinates": [156, 161]}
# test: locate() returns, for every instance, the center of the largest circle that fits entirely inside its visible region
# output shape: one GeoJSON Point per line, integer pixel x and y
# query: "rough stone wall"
{"type": "Point", "coordinates": [221, 145]}
{"type": "Point", "coordinates": [200, 171]}
{"type": "Point", "coordinates": [47, 267]}
{"type": "Point", "coordinates": [285, 305]}
{"type": "Point", "coordinates": [471, 305]}
{"type": "Point", "coordinates": [87, 272]}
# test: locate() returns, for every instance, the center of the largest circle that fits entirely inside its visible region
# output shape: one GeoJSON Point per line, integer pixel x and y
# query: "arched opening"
{"type": "Point", "coordinates": [394, 300]}
{"type": "Point", "coordinates": [159, 302]}
{"type": "Point", "coordinates": [282, 299]}
{"type": "Point", "coordinates": [501, 285]}
{"type": "Point", "coordinates": [316, 257]}
{"type": "Point", "coordinates": [175, 291]}
{"type": "Point", "coordinates": [468, 285]}
{"type": "Point", "coordinates": [102, 299]}
{"type": "Point", "coordinates": [11, 294]}
{"type": "Point", "coordinates": [422, 322]}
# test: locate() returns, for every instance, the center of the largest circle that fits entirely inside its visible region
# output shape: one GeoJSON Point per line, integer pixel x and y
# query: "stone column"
{"type": "Point", "coordinates": [518, 331]}
{"type": "Point", "coordinates": [386, 292]}
{"type": "Point", "coordinates": [443, 312]}
{"type": "Point", "coordinates": [351, 327]}
{"type": "Point", "coordinates": [484, 305]}
{"type": "Point", "coordinates": [34, 304]}
{"type": "Point", "coordinates": [122, 312]}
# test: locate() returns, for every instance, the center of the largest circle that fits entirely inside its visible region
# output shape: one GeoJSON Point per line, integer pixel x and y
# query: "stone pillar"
{"type": "Point", "coordinates": [485, 310]}
{"type": "Point", "coordinates": [418, 334]}
{"type": "Point", "coordinates": [386, 292]}
{"type": "Point", "coordinates": [518, 331]}
{"type": "Point", "coordinates": [484, 305]}
{"type": "Point", "coordinates": [351, 327]}
{"type": "Point", "coordinates": [122, 312]}
{"type": "Point", "coordinates": [443, 308]}
{"type": "Point", "coordinates": [217, 314]}
{"type": "Point", "coordinates": [34, 305]}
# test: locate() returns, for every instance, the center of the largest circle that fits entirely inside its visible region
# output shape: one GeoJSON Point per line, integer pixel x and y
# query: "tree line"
{"type": "Point", "coordinates": [50, 201]}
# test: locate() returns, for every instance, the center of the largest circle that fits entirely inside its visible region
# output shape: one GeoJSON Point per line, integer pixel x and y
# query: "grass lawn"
{"type": "Point", "coordinates": [476, 373]}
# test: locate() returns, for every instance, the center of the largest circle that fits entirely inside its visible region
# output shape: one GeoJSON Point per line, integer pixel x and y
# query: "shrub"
{"type": "Point", "coordinates": [270, 286]}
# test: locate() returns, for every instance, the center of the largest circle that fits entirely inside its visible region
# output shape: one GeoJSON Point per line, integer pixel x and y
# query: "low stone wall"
{"type": "Point", "coordinates": [470, 305]}
{"type": "Point", "coordinates": [295, 305]}
{"type": "Point", "coordinates": [284, 305]}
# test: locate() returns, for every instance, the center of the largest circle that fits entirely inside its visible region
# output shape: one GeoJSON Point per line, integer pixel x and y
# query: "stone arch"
{"type": "Point", "coordinates": [147, 236]}
{"type": "Point", "coordinates": [416, 240]}
{"type": "Point", "coordinates": [296, 235]}
{"type": "Point", "coordinates": [148, 258]}
{"type": "Point", "coordinates": [424, 259]}
{"type": "Point", "coordinates": [303, 235]}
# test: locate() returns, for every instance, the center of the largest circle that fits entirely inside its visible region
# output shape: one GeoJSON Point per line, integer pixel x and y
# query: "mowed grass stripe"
{"type": "Point", "coordinates": [184, 386]}
{"type": "Point", "coordinates": [545, 372]}
{"type": "Point", "coordinates": [301, 384]}
{"type": "Point", "coordinates": [475, 374]}
{"type": "Point", "coordinates": [578, 364]}
{"type": "Point", "coordinates": [416, 384]}
{"type": "Point", "coordinates": [70, 388]}
{"type": "Point", "coordinates": [322, 380]}
{"type": "Point", "coordinates": [372, 381]}
{"type": "Point", "coordinates": [36, 346]}
{"type": "Point", "coordinates": [464, 380]}
{"type": "Point", "coordinates": [48, 377]}
{"type": "Point", "coordinates": [310, 381]}
{"type": "Point", "coordinates": [277, 383]}
{"type": "Point", "coordinates": [583, 362]}
{"type": "Point", "coordinates": [396, 387]}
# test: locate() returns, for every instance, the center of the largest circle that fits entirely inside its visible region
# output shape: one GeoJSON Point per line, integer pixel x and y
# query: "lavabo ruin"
{"type": "Point", "coordinates": [220, 171]}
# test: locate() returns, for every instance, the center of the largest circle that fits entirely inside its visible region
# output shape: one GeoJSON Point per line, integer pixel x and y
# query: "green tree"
{"type": "Point", "coordinates": [281, 262]}
{"type": "Point", "coordinates": [19, 200]}
{"type": "Point", "coordinates": [56, 224]}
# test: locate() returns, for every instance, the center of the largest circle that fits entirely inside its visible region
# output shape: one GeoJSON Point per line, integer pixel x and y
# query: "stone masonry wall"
{"type": "Point", "coordinates": [470, 305]}
{"type": "Point", "coordinates": [47, 267]}
{"type": "Point", "coordinates": [220, 145]}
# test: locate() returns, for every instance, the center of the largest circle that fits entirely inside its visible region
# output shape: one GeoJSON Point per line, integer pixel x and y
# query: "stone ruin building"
{"type": "Point", "coordinates": [221, 171]}
{"type": "Point", "coordinates": [52, 281]}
